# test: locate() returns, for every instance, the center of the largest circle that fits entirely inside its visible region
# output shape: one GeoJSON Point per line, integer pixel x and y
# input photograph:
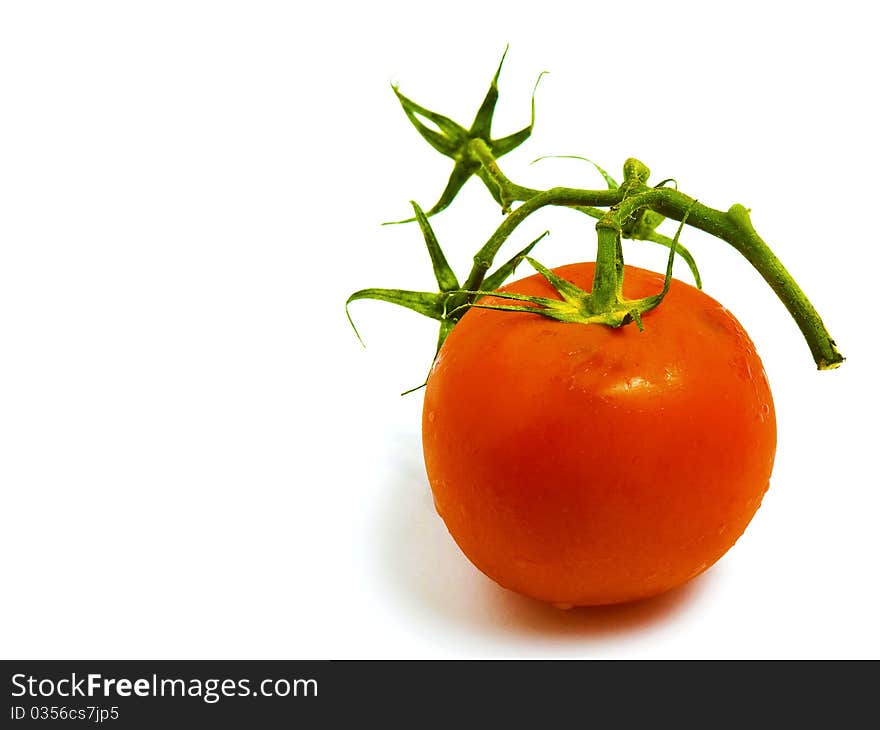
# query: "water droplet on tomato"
{"type": "Point", "coordinates": [431, 416]}
{"type": "Point", "coordinates": [742, 368]}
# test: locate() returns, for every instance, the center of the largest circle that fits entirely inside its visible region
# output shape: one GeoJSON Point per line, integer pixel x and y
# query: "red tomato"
{"type": "Point", "coordinates": [585, 465]}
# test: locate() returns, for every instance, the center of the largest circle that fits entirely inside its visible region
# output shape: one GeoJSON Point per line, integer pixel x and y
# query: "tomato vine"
{"type": "Point", "coordinates": [632, 209]}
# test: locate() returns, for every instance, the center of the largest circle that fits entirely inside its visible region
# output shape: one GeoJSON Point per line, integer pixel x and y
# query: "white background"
{"type": "Point", "coordinates": [197, 458]}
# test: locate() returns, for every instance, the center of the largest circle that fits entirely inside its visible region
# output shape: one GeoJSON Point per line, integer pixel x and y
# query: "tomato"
{"type": "Point", "coordinates": [585, 465]}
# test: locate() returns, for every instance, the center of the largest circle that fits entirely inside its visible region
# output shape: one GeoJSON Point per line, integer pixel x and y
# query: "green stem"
{"type": "Point", "coordinates": [630, 210]}
{"type": "Point", "coordinates": [733, 226]}
{"type": "Point", "coordinates": [555, 196]}
{"type": "Point", "coordinates": [509, 192]}
{"type": "Point", "coordinates": [608, 274]}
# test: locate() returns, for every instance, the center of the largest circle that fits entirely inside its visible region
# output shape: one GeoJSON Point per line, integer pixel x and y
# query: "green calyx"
{"type": "Point", "coordinates": [605, 304]}
{"type": "Point", "coordinates": [453, 140]}
{"type": "Point", "coordinates": [631, 209]}
{"type": "Point", "coordinates": [452, 300]}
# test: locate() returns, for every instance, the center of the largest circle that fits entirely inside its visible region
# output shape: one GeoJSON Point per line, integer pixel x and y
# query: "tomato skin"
{"type": "Point", "coordinates": [585, 465]}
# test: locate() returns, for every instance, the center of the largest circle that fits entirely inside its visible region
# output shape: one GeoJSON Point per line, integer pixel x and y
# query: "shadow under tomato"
{"type": "Point", "coordinates": [526, 615]}
{"type": "Point", "coordinates": [434, 581]}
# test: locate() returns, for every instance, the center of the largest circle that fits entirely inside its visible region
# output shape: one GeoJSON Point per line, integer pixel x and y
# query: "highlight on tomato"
{"type": "Point", "coordinates": [594, 433]}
